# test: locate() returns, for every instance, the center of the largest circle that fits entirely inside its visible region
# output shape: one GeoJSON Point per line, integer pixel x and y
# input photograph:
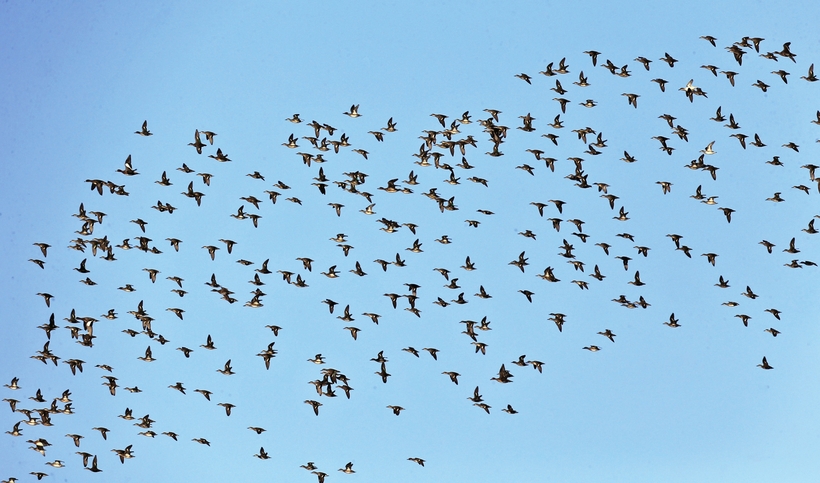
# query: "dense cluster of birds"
{"type": "Point", "coordinates": [445, 149]}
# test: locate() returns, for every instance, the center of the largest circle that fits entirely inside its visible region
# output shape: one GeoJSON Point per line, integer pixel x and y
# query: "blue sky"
{"type": "Point", "coordinates": [660, 403]}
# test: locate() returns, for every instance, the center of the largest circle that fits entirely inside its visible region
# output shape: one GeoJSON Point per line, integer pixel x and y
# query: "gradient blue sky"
{"type": "Point", "coordinates": [660, 404]}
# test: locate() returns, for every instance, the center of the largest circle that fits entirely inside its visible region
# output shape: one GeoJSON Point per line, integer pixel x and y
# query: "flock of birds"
{"type": "Point", "coordinates": [445, 149]}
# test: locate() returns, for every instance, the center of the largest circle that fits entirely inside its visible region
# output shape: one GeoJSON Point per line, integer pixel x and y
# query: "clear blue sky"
{"type": "Point", "coordinates": [659, 404]}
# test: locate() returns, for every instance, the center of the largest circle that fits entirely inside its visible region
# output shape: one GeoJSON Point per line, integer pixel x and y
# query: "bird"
{"type": "Point", "coordinates": [768, 245]}
{"type": "Point", "coordinates": [527, 294]}
{"type": "Point", "coordinates": [209, 136]}
{"type": "Point", "coordinates": [411, 350]}
{"type": "Point", "coordinates": [220, 156]}
{"type": "Point", "coordinates": [632, 99]}
{"type": "Point", "coordinates": [432, 351]}
{"type": "Point", "coordinates": [711, 257]}
{"type": "Point", "coordinates": [608, 334]}
{"type": "Point", "coordinates": [209, 343]}
{"type": "Point", "coordinates": [484, 406]}
{"type": "Point", "coordinates": [761, 85]}
{"type": "Point", "coordinates": [197, 144]}
{"type": "Point", "coordinates": [396, 409]}
{"type": "Point", "coordinates": [178, 386]}
{"type": "Point", "coordinates": [728, 213]}
{"type": "Point", "coordinates": [383, 373]}
{"type": "Point", "coordinates": [228, 407]}
{"type": "Point", "coordinates": [509, 410]}
{"type": "Point", "coordinates": [315, 405]}
{"type": "Point", "coordinates": [124, 454]}
{"type": "Point", "coordinates": [748, 293]}
{"type": "Point", "coordinates": [144, 130]}
{"type": "Point", "coordinates": [82, 268]}
{"type": "Point", "coordinates": [503, 377]}
{"type": "Point", "coordinates": [468, 265]}
{"type": "Point", "coordinates": [148, 357]}
{"type": "Point", "coordinates": [93, 468]}
{"type": "Point", "coordinates": [453, 376]}
{"type": "Point", "coordinates": [661, 83]}
{"type": "Point", "coordinates": [521, 262]}
{"type": "Point", "coordinates": [524, 77]}
{"type": "Point", "coordinates": [668, 59]}
{"type": "Point", "coordinates": [211, 250]}
{"type": "Point", "coordinates": [765, 364]}
{"type": "Point", "coordinates": [14, 384]}
{"type": "Point", "coordinates": [672, 322]}
{"type": "Point", "coordinates": [227, 369]}
{"type": "Point", "coordinates": [353, 112]}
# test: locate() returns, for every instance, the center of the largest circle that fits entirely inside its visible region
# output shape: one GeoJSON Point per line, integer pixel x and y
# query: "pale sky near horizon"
{"type": "Point", "coordinates": [661, 403]}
